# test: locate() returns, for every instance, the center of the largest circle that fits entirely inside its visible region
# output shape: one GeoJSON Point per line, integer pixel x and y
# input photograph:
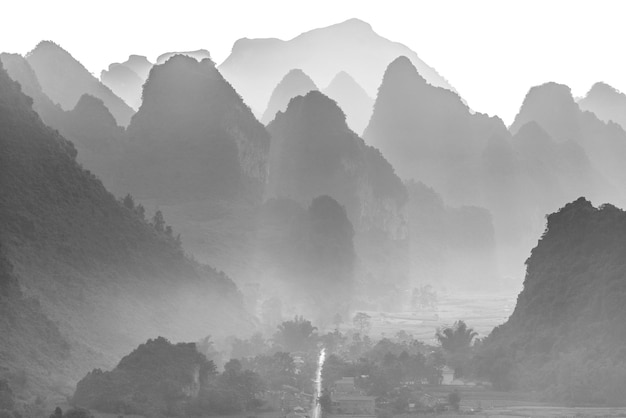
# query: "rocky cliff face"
{"type": "Point", "coordinates": [566, 334]}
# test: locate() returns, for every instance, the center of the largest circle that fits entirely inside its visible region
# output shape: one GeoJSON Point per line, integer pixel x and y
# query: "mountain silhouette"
{"type": "Point", "coordinates": [126, 79]}
{"type": "Point", "coordinates": [124, 82]}
{"type": "Point", "coordinates": [101, 272]}
{"type": "Point", "coordinates": [314, 153]}
{"type": "Point", "coordinates": [198, 55]}
{"type": "Point", "coordinates": [193, 137]}
{"type": "Point", "coordinates": [607, 103]}
{"type": "Point", "coordinates": [552, 106]}
{"type": "Point", "coordinates": [352, 99]}
{"type": "Point", "coordinates": [569, 315]}
{"type": "Point", "coordinates": [295, 83]}
{"type": "Point", "coordinates": [20, 70]}
{"type": "Point", "coordinates": [65, 80]}
{"type": "Point", "coordinates": [429, 134]}
{"type": "Point", "coordinates": [255, 66]}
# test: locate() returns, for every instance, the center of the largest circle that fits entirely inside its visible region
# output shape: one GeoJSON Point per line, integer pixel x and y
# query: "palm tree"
{"type": "Point", "coordinates": [457, 338]}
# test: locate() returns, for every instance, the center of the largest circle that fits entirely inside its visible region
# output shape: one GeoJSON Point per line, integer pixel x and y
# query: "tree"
{"type": "Point", "coordinates": [296, 335]}
{"type": "Point", "coordinates": [456, 342]}
{"type": "Point", "coordinates": [129, 202]}
{"type": "Point", "coordinates": [325, 401]}
{"type": "Point", "coordinates": [158, 221]}
{"type": "Point", "coordinates": [362, 322]}
{"type": "Point", "coordinates": [456, 338]}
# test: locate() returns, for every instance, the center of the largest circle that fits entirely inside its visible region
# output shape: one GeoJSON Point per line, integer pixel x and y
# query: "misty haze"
{"type": "Point", "coordinates": [310, 226]}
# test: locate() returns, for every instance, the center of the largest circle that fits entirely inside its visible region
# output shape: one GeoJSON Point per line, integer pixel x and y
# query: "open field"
{"type": "Point", "coordinates": [481, 312]}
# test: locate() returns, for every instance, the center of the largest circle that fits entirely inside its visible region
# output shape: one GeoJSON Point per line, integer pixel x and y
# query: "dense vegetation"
{"type": "Point", "coordinates": [99, 269]}
{"type": "Point", "coordinates": [566, 335]}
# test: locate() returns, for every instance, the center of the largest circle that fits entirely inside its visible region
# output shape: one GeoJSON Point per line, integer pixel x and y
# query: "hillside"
{"type": "Point", "coordinates": [255, 66]}
{"type": "Point", "coordinates": [193, 138]}
{"type": "Point", "coordinates": [65, 80]}
{"type": "Point", "coordinates": [566, 334]}
{"type": "Point", "coordinates": [98, 276]}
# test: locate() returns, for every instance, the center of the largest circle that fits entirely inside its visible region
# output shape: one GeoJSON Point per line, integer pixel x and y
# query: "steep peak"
{"type": "Point", "coordinates": [316, 108]}
{"type": "Point", "coordinates": [343, 79]}
{"type": "Point", "coordinates": [402, 68]}
{"type": "Point", "coordinates": [294, 83]}
{"type": "Point", "coordinates": [553, 106]}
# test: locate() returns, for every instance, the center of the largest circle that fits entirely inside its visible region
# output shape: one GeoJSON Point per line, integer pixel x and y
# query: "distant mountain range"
{"type": "Point", "coordinates": [255, 66]}
{"type": "Point", "coordinates": [93, 275]}
{"type": "Point", "coordinates": [64, 80]}
{"type": "Point", "coordinates": [607, 103]}
{"type": "Point", "coordinates": [295, 83]}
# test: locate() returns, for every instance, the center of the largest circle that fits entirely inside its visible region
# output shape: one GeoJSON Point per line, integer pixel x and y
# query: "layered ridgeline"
{"type": "Point", "coordinates": [193, 138]}
{"type": "Point", "coordinates": [566, 336]}
{"type": "Point", "coordinates": [352, 99]}
{"type": "Point", "coordinates": [20, 70]}
{"type": "Point", "coordinates": [295, 83]}
{"type": "Point", "coordinates": [606, 102]}
{"type": "Point", "coordinates": [315, 153]}
{"type": "Point", "coordinates": [103, 274]}
{"type": "Point", "coordinates": [255, 66]}
{"type": "Point", "coordinates": [89, 125]}
{"type": "Point", "coordinates": [64, 80]}
{"type": "Point", "coordinates": [126, 78]}
{"type": "Point", "coordinates": [552, 106]}
{"type": "Point", "coordinates": [428, 133]}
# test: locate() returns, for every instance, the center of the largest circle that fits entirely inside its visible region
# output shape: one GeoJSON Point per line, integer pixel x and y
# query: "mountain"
{"type": "Point", "coordinates": [95, 278]}
{"type": "Point", "coordinates": [198, 55]}
{"type": "Point", "coordinates": [606, 102]}
{"type": "Point", "coordinates": [566, 335]}
{"type": "Point", "coordinates": [65, 80]}
{"type": "Point", "coordinates": [314, 153]}
{"type": "Point", "coordinates": [428, 134]}
{"type": "Point", "coordinates": [126, 79]}
{"type": "Point", "coordinates": [139, 65]}
{"type": "Point", "coordinates": [100, 142]}
{"type": "Point", "coordinates": [352, 99]}
{"type": "Point", "coordinates": [193, 138]}
{"type": "Point", "coordinates": [552, 106]}
{"type": "Point", "coordinates": [20, 70]}
{"type": "Point", "coordinates": [294, 83]}
{"type": "Point", "coordinates": [124, 82]}
{"type": "Point", "coordinates": [255, 66]}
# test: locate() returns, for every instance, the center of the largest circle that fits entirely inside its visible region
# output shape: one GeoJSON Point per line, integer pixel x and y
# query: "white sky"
{"type": "Point", "coordinates": [492, 51]}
